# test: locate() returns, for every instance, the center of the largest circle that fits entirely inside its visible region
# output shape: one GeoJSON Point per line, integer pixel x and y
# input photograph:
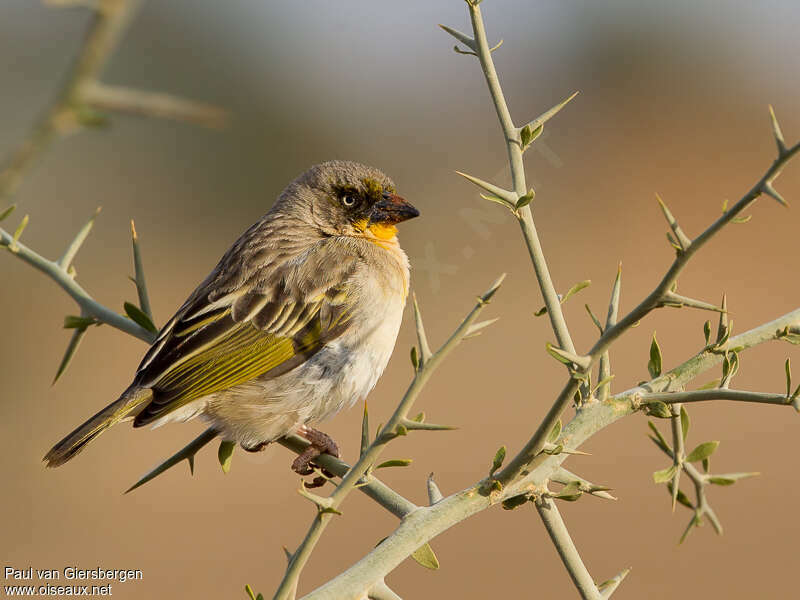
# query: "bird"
{"type": "Point", "coordinates": [297, 321]}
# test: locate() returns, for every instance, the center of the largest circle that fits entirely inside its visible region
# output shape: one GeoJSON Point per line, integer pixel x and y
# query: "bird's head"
{"type": "Point", "coordinates": [348, 198]}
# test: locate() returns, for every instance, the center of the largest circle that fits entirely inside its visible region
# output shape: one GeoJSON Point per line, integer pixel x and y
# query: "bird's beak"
{"type": "Point", "coordinates": [392, 209]}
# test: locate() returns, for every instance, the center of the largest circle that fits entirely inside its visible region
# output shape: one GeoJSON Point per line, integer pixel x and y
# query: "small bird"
{"type": "Point", "coordinates": [297, 321]}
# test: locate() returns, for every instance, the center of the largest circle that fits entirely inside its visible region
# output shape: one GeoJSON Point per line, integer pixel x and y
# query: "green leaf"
{"type": "Point", "coordinates": [555, 432]}
{"type": "Point", "coordinates": [401, 430]}
{"type": "Point", "coordinates": [681, 497]}
{"type": "Point", "coordinates": [555, 451]}
{"type": "Point", "coordinates": [497, 462]}
{"type": "Point", "coordinates": [20, 228]}
{"type": "Point", "coordinates": [8, 210]}
{"type": "Point", "coordinates": [249, 591]}
{"type": "Point", "coordinates": [72, 347]}
{"type": "Point", "coordinates": [136, 315]}
{"type": "Point", "coordinates": [658, 439]}
{"type": "Point", "coordinates": [424, 556]}
{"type": "Point", "coordinates": [595, 320]}
{"type": "Point", "coordinates": [554, 352]}
{"type": "Point", "coordinates": [225, 455]}
{"type": "Point", "coordinates": [73, 322]}
{"type": "Point", "coordinates": [707, 331]}
{"type": "Point", "coordinates": [658, 409]}
{"type": "Point", "coordinates": [540, 312]}
{"type": "Point", "coordinates": [702, 451]}
{"type": "Point", "coordinates": [529, 134]}
{"type": "Point", "coordinates": [570, 492]}
{"type": "Point", "coordinates": [706, 464]}
{"type": "Point", "coordinates": [709, 385]}
{"type": "Point", "coordinates": [515, 501]}
{"type": "Point", "coordinates": [496, 200]}
{"type": "Point", "coordinates": [414, 358]}
{"type": "Point", "coordinates": [788, 369]}
{"type": "Point", "coordinates": [397, 462]}
{"type": "Point", "coordinates": [364, 430]}
{"type": "Point", "coordinates": [684, 423]}
{"type": "Point", "coordinates": [575, 289]}
{"type": "Point", "coordinates": [654, 364]}
{"type": "Point", "coordinates": [664, 475]}
{"type": "Point", "coordinates": [525, 200]}
{"type": "Point", "coordinates": [721, 481]}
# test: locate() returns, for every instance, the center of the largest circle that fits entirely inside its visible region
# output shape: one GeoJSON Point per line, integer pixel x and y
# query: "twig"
{"type": "Point", "coordinates": [88, 304]}
{"type": "Point", "coordinates": [394, 427]}
{"type": "Point", "coordinates": [514, 148]}
{"type": "Point", "coordinates": [716, 394]}
{"type": "Point", "coordinates": [554, 523]}
{"type": "Point", "coordinates": [526, 457]}
{"type": "Point", "coordinates": [426, 523]}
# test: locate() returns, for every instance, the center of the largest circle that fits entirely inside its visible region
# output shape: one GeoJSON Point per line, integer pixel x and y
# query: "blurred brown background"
{"type": "Point", "coordinates": [673, 100]}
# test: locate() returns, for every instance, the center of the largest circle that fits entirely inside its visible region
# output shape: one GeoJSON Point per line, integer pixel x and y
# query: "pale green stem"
{"type": "Point", "coordinates": [522, 461]}
{"type": "Point", "coordinates": [369, 457]}
{"type": "Point", "coordinates": [717, 394]}
{"type": "Point", "coordinates": [561, 539]}
{"type": "Point", "coordinates": [514, 147]}
{"type": "Point", "coordinates": [105, 31]}
{"type": "Point", "coordinates": [90, 307]}
{"type": "Point", "coordinates": [426, 523]}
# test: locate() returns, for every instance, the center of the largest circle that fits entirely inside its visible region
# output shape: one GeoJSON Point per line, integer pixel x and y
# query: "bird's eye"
{"type": "Point", "coordinates": [348, 200]}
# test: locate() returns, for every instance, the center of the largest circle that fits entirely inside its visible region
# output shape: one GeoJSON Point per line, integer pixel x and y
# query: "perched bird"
{"type": "Point", "coordinates": [297, 321]}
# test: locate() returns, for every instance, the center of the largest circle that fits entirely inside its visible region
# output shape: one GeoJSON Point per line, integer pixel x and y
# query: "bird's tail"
{"type": "Point", "coordinates": [131, 401]}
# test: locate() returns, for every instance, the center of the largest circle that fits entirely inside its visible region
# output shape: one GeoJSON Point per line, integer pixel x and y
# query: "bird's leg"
{"type": "Point", "coordinates": [321, 443]}
{"type": "Point", "coordinates": [257, 448]}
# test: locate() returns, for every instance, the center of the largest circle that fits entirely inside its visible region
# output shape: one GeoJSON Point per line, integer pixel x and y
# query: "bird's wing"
{"type": "Point", "coordinates": [235, 329]}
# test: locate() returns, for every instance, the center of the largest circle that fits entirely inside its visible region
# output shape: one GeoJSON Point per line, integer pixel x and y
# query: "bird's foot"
{"type": "Point", "coordinates": [257, 448]}
{"type": "Point", "coordinates": [321, 443]}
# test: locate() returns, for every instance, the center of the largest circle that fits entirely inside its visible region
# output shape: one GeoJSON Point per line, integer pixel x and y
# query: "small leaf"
{"type": "Point", "coordinates": [555, 432]}
{"type": "Point", "coordinates": [424, 556]}
{"type": "Point", "coordinates": [364, 430]}
{"type": "Point", "coordinates": [136, 315]}
{"type": "Point", "coordinates": [681, 497]}
{"type": "Point", "coordinates": [414, 358]}
{"type": "Point", "coordinates": [570, 492]}
{"type": "Point", "coordinates": [250, 593]}
{"type": "Point", "coordinates": [706, 464]}
{"type": "Point", "coordinates": [528, 135]}
{"type": "Point", "coordinates": [595, 320]}
{"type": "Point", "coordinates": [721, 481]}
{"type": "Point", "coordinates": [658, 439]}
{"type": "Point", "coordinates": [654, 364]}
{"type": "Point", "coordinates": [707, 331]}
{"type": "Point", "coordinates": [225, 455]}
{"type": "Point", "coordinates": [554, 451]}
{"type": "Point", "coordinates": [515, 501]}
{"type": "Point", "coordinates": [496, 200]}
{"type": "Point", "coordinates": [709, 385]}
{"type": "Point", "coordinates": [72, 347]}
{"type": "Point", "coordinates": [73, 322]}
{"type": "Point", "coordinates": [664, 475]}
{"type": "Point", "coordinates": [575, 289]}
{"type": "Point", "coordinates": [684, 423]}
{"type": "Point", "coordinates": [658, 409]}
{"type": "Point", "coordinates": [540, 312]}
{"type": "Point", "coordinates": [702, 451]}
{"type": "Point", "coordinates": [397, 462]}
{"type": "Point", "coordinates": [401, 430]}
{"type": "Point", "coordinates": [525, 200]}
{"type": "Point", "coordinates": [8, 210]}
{"type": "Point", "coordinates": [20, 228]}
{"type": "Point", "coordinates": [788, 369]}
{"type": "Point", "coordinates": [497, 462]}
